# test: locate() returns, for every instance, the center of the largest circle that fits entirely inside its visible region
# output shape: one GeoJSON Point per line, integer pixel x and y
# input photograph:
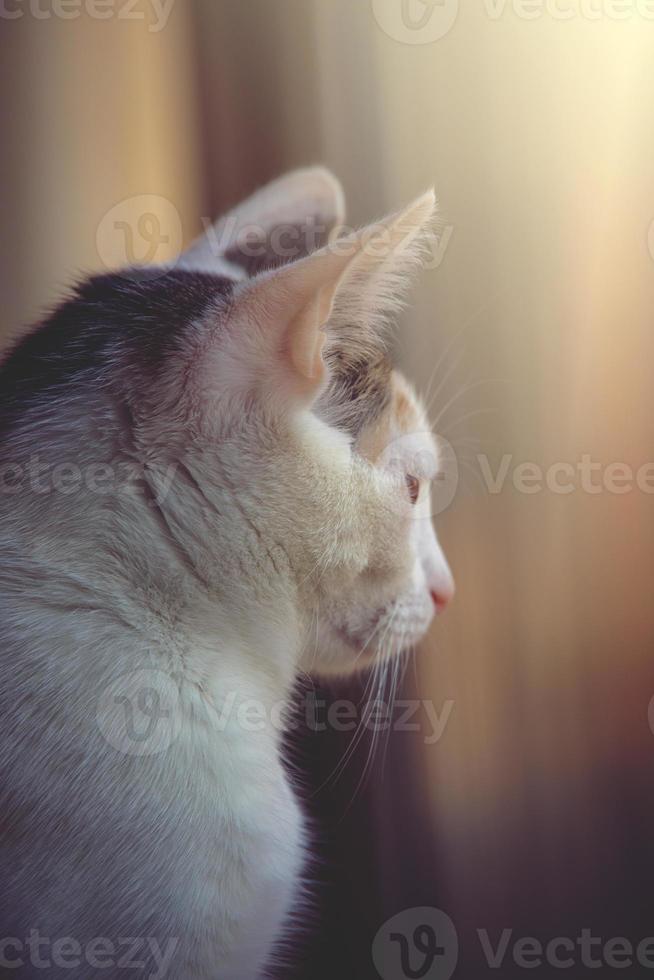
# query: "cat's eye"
{"type": "Point", "coordinates": [413, 486]}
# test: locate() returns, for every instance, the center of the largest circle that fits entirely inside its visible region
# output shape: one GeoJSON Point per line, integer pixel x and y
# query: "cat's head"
{"type": "Point", "coordinates": [359, 618]}
{"type": "Point", "coordinates": [284, 463]}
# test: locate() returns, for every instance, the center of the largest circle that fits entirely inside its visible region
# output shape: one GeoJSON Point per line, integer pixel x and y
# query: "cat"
{"type": "Point", "coordinates": [210, 482]}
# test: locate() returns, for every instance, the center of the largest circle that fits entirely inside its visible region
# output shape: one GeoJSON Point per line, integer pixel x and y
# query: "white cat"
{"type": "Point", "coordinates": [196, 478]}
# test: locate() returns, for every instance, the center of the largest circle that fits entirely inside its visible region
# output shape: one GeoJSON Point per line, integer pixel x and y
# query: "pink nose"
{"type": "Point", "coordinates": [442, 597]}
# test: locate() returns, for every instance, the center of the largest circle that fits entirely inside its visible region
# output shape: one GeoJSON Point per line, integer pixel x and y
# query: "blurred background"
{"type": "Point", "coordinates": [532, 330]}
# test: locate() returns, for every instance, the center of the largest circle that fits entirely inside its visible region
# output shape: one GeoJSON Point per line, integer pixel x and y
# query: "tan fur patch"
{"type": "Point", "coordinates": [402, 414]}
{"type": "Point", "coordinates": [404, 406]}
{"type": "Point", "coordinates": [375, 437]}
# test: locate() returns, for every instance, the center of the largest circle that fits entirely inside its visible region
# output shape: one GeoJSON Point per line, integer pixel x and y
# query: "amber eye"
{"type": "Point", "coordinates": [413, 486]}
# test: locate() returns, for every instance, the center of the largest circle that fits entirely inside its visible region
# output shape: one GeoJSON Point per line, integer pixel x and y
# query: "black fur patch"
{"type": "Point", "coordinates": [145, 314]}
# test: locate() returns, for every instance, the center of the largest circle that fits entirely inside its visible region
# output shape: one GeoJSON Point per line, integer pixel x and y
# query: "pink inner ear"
{"type": "Point", "coordinates": [305, 336]}
{"type": "Point", "coordinates": [306, 355]}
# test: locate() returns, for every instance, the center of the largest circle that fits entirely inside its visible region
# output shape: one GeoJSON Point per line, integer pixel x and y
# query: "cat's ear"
{"type": "Point", "coordinates": [285, 220]}
{"type": "Point", "coordinates": [376, 286]}
{"type": "Point", "coordinates": [277, 324]}
{"type": "Point", "coordinates": [282, 319]}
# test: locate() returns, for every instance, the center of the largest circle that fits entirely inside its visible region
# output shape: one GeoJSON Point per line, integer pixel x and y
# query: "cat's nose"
{"type": "Point", "coordinates": [442, 592]}
{"type": "Point", "coordinates": [441, 599]}
{"type": "Point", "coordinates": [438, 575]}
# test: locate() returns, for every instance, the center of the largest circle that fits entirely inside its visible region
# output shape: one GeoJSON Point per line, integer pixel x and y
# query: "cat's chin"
{"type": "Point", "coordinates": [357, 643]}
{"type": "Point", "coordinates": [341, 649]}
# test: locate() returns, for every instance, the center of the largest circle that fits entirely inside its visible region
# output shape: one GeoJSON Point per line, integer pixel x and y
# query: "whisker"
{"type": "Point", "coordinates": [340, 766]}
{"type": "Point", "coordinates": [469, 386]}
{"type": "Point", "coordinates": [431, 397]}
{"type": "Point", "coordinates": [395, 688]}
{"type": "Point", "coordinates": [381, 669]}
{"type": "Point", "coordinates": [470, 415]}
{"type": "Point", "coordinates": [459, 334]}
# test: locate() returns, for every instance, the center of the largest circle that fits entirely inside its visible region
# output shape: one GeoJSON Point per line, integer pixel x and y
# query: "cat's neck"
{"type": "Point", "coordinates": [172, 563]}
{"type": "Point", "coordinates": [145, 603]}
